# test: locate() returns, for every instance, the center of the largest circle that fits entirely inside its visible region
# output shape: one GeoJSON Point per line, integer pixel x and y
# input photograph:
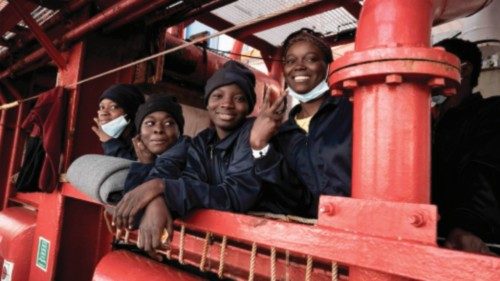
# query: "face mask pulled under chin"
{"type": "Point", "coordinates": [115, 127]}
{"type": "Point", "coordinates": [315, 93]}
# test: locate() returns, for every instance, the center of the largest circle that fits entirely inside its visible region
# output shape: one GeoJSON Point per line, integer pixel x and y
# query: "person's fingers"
{"type": "Point", "coordinates": [147, 241]}
{"type": "Point", "coordinates": [156, 238]}
{"type": "Point", "coordinates": [265, 101]}
{"type": "Point", "coordinates": [131, 217]}
{"type": "Point", "coordinates": [140, 239]}
{"type": "Point", "coordinates": [117, 215]}
{"type": "Point", "coordinates": [278, 103]}
{"type": "Point", "coordinates": [170, 229]}
{"type": "Point", "coordinates": [96, 130]}
{"type": "Point", "coordinates": [97, 122]}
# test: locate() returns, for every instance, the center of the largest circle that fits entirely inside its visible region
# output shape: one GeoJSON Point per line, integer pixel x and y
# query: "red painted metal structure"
{"type": "Point", "coordinates": [385, 232]}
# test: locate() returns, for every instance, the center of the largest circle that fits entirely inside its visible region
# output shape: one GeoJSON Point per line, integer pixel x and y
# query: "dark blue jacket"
{"type": "Point", "coordinates": [319, 161]}
{"type": "Point", "coordinates": [119, 148]}
{"type": "Point", "coordinates": [219, 174]}
{"type": "Point", "coordinates": [169, 165]}
{"type": "Point", "coordinates": [466, 168]}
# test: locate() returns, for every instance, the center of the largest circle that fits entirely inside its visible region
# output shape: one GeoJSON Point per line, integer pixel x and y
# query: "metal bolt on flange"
{"type": "Point", "coordinates": [418, 220]}
{"type": "Point", "coordinates": [327, 209]}
{"type": "Point", "coordinates": [350, 84]}
{"type": "Point", "coordinates": [393, 79]}
{"type": "Point", "coordinates": [436, 82]}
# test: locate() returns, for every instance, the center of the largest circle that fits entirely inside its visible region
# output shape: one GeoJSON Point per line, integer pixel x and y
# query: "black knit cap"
{"type": "Point", "coordinates": [160, 103]}
{"type": "Point", "coordinates": [233, 72]}
{"type": "Point", "coordinates": [127, 96]}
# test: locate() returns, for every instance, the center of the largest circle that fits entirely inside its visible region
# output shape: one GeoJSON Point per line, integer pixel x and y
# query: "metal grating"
{"type": "Point", "coordinates": [328, 23]}
{"type": "Point", "coordinates": [40, 15]}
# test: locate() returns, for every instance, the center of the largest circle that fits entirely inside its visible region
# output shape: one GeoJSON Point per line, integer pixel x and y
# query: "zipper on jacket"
{"type": "Point", "coordinates": [211, 151]}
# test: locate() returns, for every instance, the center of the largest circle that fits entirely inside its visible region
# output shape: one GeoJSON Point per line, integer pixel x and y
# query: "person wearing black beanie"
{"type": "Point", "coordinates": [160, 124]}
{"type": "Point", "coordinates": [114, 122]}
{"type": "Point", "coordinates": [233, 72]}
{"type": "Point", "coordinates": [218, 172]}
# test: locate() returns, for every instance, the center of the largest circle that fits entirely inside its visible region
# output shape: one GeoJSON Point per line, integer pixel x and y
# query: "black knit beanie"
{"type": "Point", "coordinates": [127, 96]}
{"type": "Point", "coordinates": [233, 72]}
{"type": "Point", "coordinates": [160, 103]}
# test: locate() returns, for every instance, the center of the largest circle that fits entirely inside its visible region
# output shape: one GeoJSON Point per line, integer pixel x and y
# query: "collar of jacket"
{"type": "Point", "coordinates": [229, 140]}
{"type": "Point", "coordinates": [328, 104]}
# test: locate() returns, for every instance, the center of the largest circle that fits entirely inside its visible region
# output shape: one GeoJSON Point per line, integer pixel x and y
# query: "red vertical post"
{"type": "Point", "coordinates": [3, 114]}
{"type": "Point", "coordinates": [49, 222]}
{"type": "Point", "coordinates": [391, 126]}
{"type": "Point", "coordinates": [391, 146]}
{"type": "Point", "coordinates": [236, 51]}
{"type": "Point", "coordinates": [390, 75]}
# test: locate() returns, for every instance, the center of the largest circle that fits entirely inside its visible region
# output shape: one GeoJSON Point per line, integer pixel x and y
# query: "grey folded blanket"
{"type": "Point", "coordinates": [98, 176]}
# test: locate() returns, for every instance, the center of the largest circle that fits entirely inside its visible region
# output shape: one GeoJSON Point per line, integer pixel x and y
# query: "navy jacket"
{"type": "Point", "coordinates": [119, 148]}
{"type": "Point", "coordinates": [219, 174]}
{"type": "Point", "coordinates": [319, 161]}
{"type": "Point", "coordinates": [169, 165]}
{"type": "Point", "coordinates": [466, 168]}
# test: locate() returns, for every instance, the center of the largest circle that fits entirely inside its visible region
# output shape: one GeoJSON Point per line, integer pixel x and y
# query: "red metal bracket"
{"type": "Point", "coordinates": [40, 35]}
{"type": "Point", "coordinates": [394, 220]}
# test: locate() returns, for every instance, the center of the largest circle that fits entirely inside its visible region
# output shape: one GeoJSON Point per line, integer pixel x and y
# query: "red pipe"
{"type": "Point", "coordinates": [15, 158]}
{"type": "Point", "coordinates": [391, 73]}
{"type": "Point", "coordinates": [236, 51]}
{"type": "Point", "coordinates": [151, 6]}
{"type": "Point", "coordinates": [2, 120]}
{"type": "Point", "coordinates": [92, 24]}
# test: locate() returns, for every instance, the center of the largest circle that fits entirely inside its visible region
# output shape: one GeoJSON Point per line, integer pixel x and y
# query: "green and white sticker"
{"type": "Point", "coordinates": [7, 270]}
{"type": "Point", "coordinates": [42, 253]}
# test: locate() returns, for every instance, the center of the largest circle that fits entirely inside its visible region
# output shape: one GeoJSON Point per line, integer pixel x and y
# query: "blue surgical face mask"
{"type": "Point", "coordinates": [313, 94]}
{"type": "Point", "coordinates": [115, 127]}
{"type": "Point", "coordinates": [437, 100]}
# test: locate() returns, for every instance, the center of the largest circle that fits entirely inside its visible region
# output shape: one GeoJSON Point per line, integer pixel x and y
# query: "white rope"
{"type": "Point", "coordinates": [222, 257]}
{"type": "Point", "coordinates": [335, 271]}
{"type": "Point", "coordinates": [205, 251]}
{"type": "Point", "coordinates": [251, 273]}
{"type": "Point", "coordinates": [309, 268]}
{"type": "Point", "coordinates": [181, 244]}
{"type": "Point", "coordinates": [273, 264]}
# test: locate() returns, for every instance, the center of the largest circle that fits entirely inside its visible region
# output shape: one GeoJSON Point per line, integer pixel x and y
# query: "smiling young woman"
{"type": "Point", "coordinates": [310, 153]}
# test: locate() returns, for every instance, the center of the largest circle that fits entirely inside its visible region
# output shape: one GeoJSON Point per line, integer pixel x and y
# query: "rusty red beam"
{"type": "Point", "coordinates": [17, 142]}
{"type": "Point", "coordinates": [111, 13]}
{"type": "Point", "coordinates": [9, 16]}
{"type": "Point", "coordinates": [40, 35]}
{"type": "Point", "coordinates": [168, 17]}
{"type": "Point", "coordinates": [151, 6]}
{"type": "Point", "coordinates": [22, 39]}
{"type": "Point", "coordinates": [92, 24]}
{"type": "Point", "coordinates": [221, 24]}
{"type": "Point", "coordinates": [298, 13]}
{"type": "Point", "coordinates": [412, 260]}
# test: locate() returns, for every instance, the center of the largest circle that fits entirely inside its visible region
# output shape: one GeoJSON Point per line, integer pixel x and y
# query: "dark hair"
{"type": "Point", "coordinates": [465, 51]}
{"type": "Point", "coordinates": [309, 35]}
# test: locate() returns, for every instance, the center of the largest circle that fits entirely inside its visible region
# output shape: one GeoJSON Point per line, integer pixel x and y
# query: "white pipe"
{"type": "Point", "coordinates": [447, 10]}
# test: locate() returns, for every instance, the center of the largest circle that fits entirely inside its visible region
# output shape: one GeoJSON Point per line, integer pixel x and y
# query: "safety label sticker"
{"type": "Point", "coordinates": [7, 269]}
{"type": "Point", "coordinates": [42, 253]}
